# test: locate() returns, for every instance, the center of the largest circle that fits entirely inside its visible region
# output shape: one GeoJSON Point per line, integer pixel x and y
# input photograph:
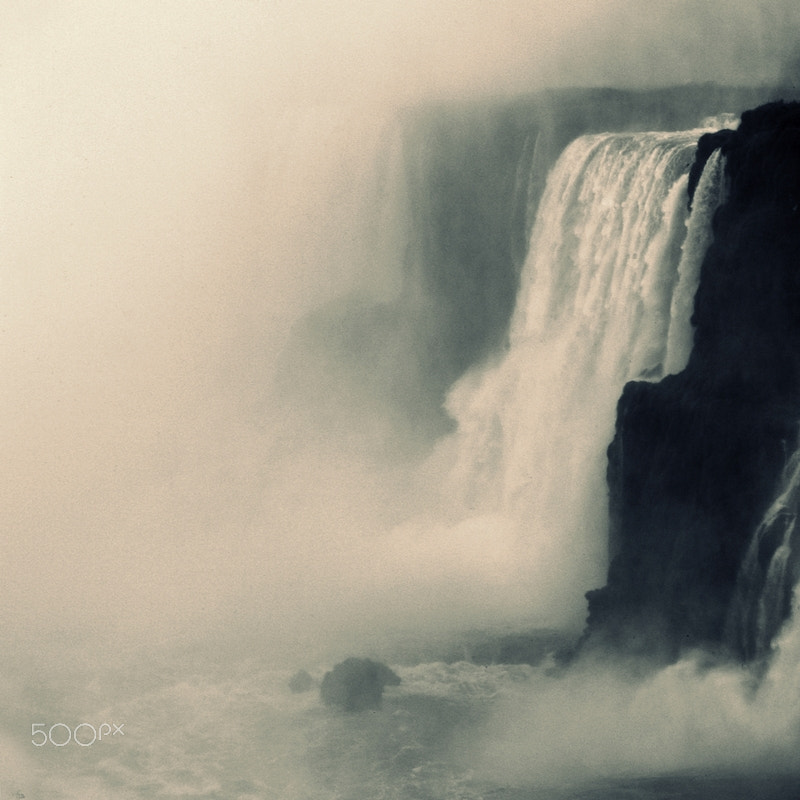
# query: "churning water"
{"type": "Point", "coordinates": [191, 729]}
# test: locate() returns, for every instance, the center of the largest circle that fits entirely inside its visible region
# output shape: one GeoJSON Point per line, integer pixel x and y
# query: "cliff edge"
{"type": "Point", "coordinates": [697, 458]}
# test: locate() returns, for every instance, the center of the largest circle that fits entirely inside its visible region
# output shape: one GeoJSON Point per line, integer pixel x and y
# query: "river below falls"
{"type": "Point", "coordinates": [179, 727]}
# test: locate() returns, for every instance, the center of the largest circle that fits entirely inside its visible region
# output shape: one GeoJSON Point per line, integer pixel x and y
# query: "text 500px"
{"type": "Point", "coordinates": [83, 734]}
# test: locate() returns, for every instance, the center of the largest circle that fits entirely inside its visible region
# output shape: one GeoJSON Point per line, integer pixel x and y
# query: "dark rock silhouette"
{"type": "Point", "coordinates": [697, 458]}
{"type": "Point", "coordinates": [357, 684]}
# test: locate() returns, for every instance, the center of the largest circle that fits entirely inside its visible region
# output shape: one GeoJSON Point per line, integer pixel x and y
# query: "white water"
{"type": "Point", "coordinates": [708, 196]}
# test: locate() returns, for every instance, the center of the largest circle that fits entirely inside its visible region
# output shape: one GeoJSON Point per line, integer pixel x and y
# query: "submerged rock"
{"type": "Point", "coordinates": [357, 684]}
{"type": "Point", "coordinates": [301, 681]}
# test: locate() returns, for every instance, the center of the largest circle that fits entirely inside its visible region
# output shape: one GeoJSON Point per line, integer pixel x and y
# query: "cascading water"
{"type": "Point", "coordinates": [601, 303]}
{"type": "Point", "coordinates": [769, 571]}
{"type": "Point", "coordinates": [707, 198]}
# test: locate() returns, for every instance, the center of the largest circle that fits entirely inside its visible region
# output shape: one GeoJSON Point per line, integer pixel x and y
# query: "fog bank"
{"type": "Point", "coordinates": [182, 186]}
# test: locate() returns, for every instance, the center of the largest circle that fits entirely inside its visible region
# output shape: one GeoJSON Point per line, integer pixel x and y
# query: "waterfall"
{"type": "Point", "coordinates": [768, 575]}
{"type": "Point", "coordinates": [707, 198]}
{"type": "Point", "coordinates": [601, 296]}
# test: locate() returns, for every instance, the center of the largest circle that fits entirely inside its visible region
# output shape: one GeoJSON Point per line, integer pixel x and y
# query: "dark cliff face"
{"type": "Point", "coordinates": [697, 458]}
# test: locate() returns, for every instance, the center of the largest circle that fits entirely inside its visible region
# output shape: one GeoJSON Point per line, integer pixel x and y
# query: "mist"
{"type": "Point", "coordinates": [602, 721]}
{"type": "Point", "coordinates": [185, 187]}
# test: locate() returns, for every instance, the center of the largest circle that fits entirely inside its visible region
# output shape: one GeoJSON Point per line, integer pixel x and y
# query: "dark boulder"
{"type": "Point", "coordinates": [357, 684]}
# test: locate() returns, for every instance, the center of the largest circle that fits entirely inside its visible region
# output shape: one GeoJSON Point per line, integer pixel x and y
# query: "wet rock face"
{"type": "Point", "coordinates": [697, 458]}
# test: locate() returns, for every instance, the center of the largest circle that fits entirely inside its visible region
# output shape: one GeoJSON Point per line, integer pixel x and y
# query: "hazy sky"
{"type": "Point", "coordinates": [168, 184]}
{"type": "Point", "coordinates": [80, 47]}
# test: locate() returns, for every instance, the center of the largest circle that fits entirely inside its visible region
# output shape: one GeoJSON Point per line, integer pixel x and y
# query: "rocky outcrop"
{"type": "Point", "coordinates": [697, 458]}
{"type": "Point", "coordinates": [357, 684]}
